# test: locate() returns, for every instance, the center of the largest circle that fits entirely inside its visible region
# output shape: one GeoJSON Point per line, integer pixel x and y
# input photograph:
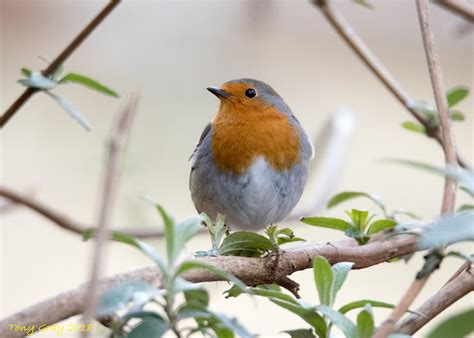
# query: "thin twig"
{"type": "Point", "coordinates": [109, 196]}
{"type": "Point", "coordinates": [450, 160]}
{"type": "Point", "coordinates": [67, 222]}
{"type": "Point", "coordinates": [59, 60]}
{"type": "Point", "coordinates": [349, 35]}
{"type": "Point", "coordinates": [413, 291]}
{"type": "Point", "coordinates": [252, 271]}
{"type": "Point", "coordinates": [437, 83]}
{"type": "Point", "coordinates": [464, 9]}
{"type": "Point", "coordinates": [454, 290]}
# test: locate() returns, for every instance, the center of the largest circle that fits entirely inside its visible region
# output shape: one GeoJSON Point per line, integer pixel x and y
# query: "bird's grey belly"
{"type": "Point", "coordinates": [251, 201]}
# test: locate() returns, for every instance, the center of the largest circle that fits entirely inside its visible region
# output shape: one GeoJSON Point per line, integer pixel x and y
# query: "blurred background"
{"type": "Point", "coordinates": [169, 52]}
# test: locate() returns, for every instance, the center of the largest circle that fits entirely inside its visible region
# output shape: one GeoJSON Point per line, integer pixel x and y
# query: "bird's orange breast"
{"type": "Point", "coordinates": [240, 134]}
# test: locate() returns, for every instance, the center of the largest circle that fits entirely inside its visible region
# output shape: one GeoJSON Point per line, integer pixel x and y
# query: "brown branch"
{"type": "Point", "coordinates": [387, 326]}
{"type": "Point", "coordinates": [454, 290]}
{"type": "Point", "coordinates": [116, 146]}
{"type": "Point", "coordinates": [59, 60]}
{"type": "Point", "coordinates": [436, 76]}
{"type": "Point", "coordinates": [65, 221]}
{"type": "Point", "coordinates": [449, 194]}
{"type": "Point", "coordinates": [464, 9]}
{"type": "Point", "coordinates": [252, 271]}
{"type": "Point", "coordinates": [349, 35]}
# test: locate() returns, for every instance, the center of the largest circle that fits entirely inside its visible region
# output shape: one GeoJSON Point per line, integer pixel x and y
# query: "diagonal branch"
{"type": "Point", "coordinates": [349, 35]}
{"type": "Point", "coordinates": [116, 146]}
{"type": "Point", "coordinates": [452, 291]}
{"type": "Point", "coordinates": [65, 221]}
{"type": "Point", "coordinates": [462, 8]}
{"type": "Point", "coordinates": [449, 194]}
{"type": "Point", "coordinates": [252, 271]}
{"type": "Point", "coordinates": [59, 60]}
{"type": "Point", "coordinates": [439, 91]}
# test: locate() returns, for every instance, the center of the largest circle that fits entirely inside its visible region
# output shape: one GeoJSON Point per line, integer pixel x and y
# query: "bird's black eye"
{"type": "Point", "coordinates": [250, 93]}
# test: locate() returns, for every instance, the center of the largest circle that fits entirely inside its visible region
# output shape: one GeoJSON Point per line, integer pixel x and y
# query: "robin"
{"type": "Point", "coordinates": [251, 162]}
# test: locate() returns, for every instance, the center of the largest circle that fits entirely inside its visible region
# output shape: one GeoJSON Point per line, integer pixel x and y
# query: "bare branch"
{"type": "Point", "coordinates": [252, 271]}
{"type": "Point", "coordinates": [462, 8]}
{"type": "Point", "coordinates": [65, 221]}
{"type": "Point", "coordinates": [59, 60]}
{"type": "Point", "coordinates": [413, 291]}
{"type": "Point", "coordinates": [454, 290]}
{"type": "Point", "coordinates": [116, 145]}
{"type": "Point", "coordinates": [449, 194]}
{"type": "Point", "coordinates": [441, 103]}
{"type": "Point", "coordinates": [349, 35]}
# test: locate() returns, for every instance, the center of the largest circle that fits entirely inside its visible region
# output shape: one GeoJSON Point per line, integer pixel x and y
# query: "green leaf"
{"type": "Point", "coordinates": [347, 195]}
{"type": "Point", "coordinates": [380, 225]}
{"type": "Point", "coordinates": [169, 233]}
{"type": "Point", "coordinates": [415, 127]}
{"type": "Point", "coordinates": [301, 333]}
{"type": "Point", "coordinates": [284, 240]}
{"type": "Point", "coordinates": [71, 110]}
{"type": "Point", "coordinates": [327, 222]}
{"type": "Point", "coordinates": [466, 207]}
{"type": "Point", "coordinates": [442, 233]}
{"type": "Point", "coordinates": [217, 230]}
{"type": "Point", "coordinates": [365, 323]}
{"type": "Point", "coordinates": [232, 324]}
{"type": "Point", "coordinates": [117, 298]}
{"type": "Point", "coordinates": [461, 255]}
{"type": "Point", "coordinates": [198, 298]}
{"type": "Point", "coordinates": [88, 82]}
{"type": "Point", "coordinates": [338, 319]}
{"type": "Point", "coordinates": [463, 176]}
{"type": "Point", "coordinates": [195, 264]}
{"type": "Point", "coordinates": [359, 236]}
{"type": "Point", "coordinates": [185, 231]}
{"type": "Point", "coordinates": [121, 237]}
{"type": "Point", "coordinates": [249, 243]}
{"type": "Point", "coordinates": [457, 326]}
{"type": "Point", "coordinates": [26, 72]}
{"type": "Point", "coordinates": [261, 291]}
{"type": "Point", "coordinates": [456, 95]}
{"type": "Point", "coordinates": [456, 115]}
{"type": "Point", "coordinates": [364, 3]}
{"type": "Point", "coordinates": [359, 218]}
{"type": "Point", "coordinates": [323, 277]}
{"type": "Point", "coordinates": [308, 315]}
{"type": "Point", "coordinates": [363, 302]}
{"type": "Point", "coordinates": [149, 327]}
{"type": "Point", "coordinates": [340, 271]}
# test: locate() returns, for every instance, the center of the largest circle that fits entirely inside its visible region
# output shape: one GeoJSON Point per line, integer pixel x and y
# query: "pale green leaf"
{"type": "Point", "coordinates": [457, 326]}
{"type": "Point", "coordinates": [380, 225]}
{"type": "Point", "coordinates": [324, 279]}
{"type": "Point", "coordinates": [88, 82]}
{"type": "Point", "coordinates": [456, 95]}
{"type": "Point", "coordinates": [327, 222]}
{"type": "Point", "coordinates": [149, 327]}
{"type": "Point", "coordinates": [415, 127]}
{"type": "Point", "coordinates": [245, 243]}
{"type": "Point", "coordinates": [339, 320]}
{"type": "Point", "coordinates": [71, 110]}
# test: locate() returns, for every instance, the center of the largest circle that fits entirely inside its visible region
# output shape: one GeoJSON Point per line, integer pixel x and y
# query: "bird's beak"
{"type": "Point", "coordinates": [218, 92]}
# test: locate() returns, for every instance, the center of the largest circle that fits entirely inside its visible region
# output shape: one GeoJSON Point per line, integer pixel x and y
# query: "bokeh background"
{"type": "Point", "coordinates": [169, 52]}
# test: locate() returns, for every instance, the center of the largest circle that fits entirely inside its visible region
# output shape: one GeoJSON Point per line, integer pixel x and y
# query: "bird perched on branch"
{"type": "Point", "coordinates": [251, 162]}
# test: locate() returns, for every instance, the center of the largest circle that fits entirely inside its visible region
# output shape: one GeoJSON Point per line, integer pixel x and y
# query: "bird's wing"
{"type": "Point", "coordinates": [205, 132]}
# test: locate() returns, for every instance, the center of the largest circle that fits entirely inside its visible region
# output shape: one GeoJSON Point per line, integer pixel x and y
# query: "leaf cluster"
{"type": "Point", "coordinates": [131, 298]}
